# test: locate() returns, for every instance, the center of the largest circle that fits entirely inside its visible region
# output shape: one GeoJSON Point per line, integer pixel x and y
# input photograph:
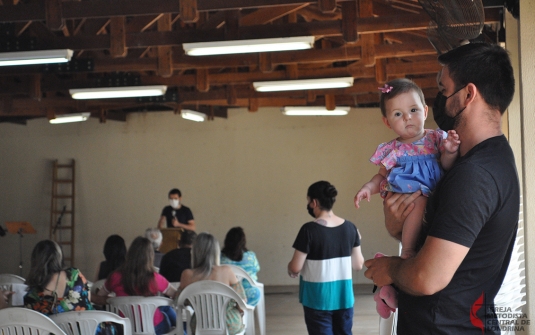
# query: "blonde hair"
{"type": "Point", "coordinates": [204, 254]}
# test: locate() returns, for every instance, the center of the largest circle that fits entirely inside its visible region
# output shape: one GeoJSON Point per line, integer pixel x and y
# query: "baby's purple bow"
{"type": "Point", "coordinates": [386, 88]}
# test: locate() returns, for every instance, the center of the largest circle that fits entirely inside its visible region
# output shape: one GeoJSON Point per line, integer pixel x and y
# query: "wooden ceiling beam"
{"type": "Point", "coordinates": [178, 37]}
{"type": "Point", "coordinates": [188, 11]}
{"type": "Point", "coordinates": [275, 58]}
{"type": "Point", "coordinates": [266, 15]}
{"type": "Point", "coordinates": [35, 11]}
{"type": "Point", "coordinates": [165, 53]}
{"type": "Point", "coordinates": [118, 37]}
{"type": "Point", "coordinates": [413, 68]}
{"type": "Point", "coordinates": [367, 25]}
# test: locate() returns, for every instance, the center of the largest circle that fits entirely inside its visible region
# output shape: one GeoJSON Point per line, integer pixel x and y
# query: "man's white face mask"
{"type": "Point", "coordinates": [174, 203]}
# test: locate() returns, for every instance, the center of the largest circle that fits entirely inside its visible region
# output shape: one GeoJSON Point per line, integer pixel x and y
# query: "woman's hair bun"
{"type": "Point", "coordinates": [330, 191]}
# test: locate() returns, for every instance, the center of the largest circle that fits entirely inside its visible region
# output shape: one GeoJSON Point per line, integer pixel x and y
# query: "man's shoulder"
{"type": "Point", "coordinates": [184, 208]}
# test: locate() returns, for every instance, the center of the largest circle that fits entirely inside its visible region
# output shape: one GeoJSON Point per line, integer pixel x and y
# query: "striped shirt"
{"type": "Point", "coordinates": [326, 278]}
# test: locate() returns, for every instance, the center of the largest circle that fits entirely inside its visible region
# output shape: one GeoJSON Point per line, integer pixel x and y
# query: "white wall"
{"type": "Point", "coordinates": [250, 170]}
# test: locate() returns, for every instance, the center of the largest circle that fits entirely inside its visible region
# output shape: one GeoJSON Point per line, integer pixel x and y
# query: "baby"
{"type": "Point", "coordinates": [415, 160]}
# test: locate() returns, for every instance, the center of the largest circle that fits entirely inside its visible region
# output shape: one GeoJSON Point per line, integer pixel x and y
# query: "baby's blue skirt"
{"type": "Point", "coordinates": [415, 173]}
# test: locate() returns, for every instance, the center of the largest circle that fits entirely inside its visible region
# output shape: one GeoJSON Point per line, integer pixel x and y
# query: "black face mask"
{"type": "Point", "coordinates": [311, 211]}
{"type": "Point", "coordinates": [444, 121]}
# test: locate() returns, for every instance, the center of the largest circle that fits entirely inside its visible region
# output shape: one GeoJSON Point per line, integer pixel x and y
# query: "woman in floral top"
{"type": "Point", "coordinates": [52, 289]}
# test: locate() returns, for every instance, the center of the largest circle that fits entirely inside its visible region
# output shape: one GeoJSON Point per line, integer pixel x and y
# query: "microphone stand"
{"type": "Point", "coordinates": [20, 250]}
{"type": "Point", "coordinates": [58, 223]}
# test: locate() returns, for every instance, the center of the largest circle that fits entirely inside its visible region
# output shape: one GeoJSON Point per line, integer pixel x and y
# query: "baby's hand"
{"type": "Point", "coordinates": [451, 144]}
{"type": "Point", "coordinates": [364, 193]}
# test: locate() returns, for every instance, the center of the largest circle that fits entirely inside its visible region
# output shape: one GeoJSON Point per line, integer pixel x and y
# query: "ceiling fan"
{"type": "Point", "coordinates": [453, 22]}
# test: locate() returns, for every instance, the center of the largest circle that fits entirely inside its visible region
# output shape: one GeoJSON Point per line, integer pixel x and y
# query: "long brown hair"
{"type": "Point", "coordinates": [137, 272]}
{"type": "Point", "coordinates": [47, 259]}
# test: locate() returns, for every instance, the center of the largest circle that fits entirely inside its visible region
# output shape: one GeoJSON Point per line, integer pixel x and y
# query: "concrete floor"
{"type": "Point", "coordinates": [284, 313]}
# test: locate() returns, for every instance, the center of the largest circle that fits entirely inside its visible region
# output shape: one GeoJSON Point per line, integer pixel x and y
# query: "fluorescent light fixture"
{"type": "Point", "coordinates": [188, 114]}
{"type": "Point", "coordinates": [117, 92]}
{"type": "Point", "coordinates": [66, 118]}
{"type": "Point", "coordinates": [314, 111]}
{"type": "Point", "coordinates": [35, 57]}
{"type": "Point", "coordinates": [302, 84]}
{"type": "Point", "coordinates": [248, 46]}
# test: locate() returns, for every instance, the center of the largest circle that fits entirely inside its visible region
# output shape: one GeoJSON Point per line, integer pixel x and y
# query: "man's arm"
{"type": "Point", "coordinates": [189, 226]}
{"type": "Point", "coordinates": [296, 264]}
{"type": "Point", "coordinates": [163, 222]}
{"type": "Point", "coordinates": [428, 272]}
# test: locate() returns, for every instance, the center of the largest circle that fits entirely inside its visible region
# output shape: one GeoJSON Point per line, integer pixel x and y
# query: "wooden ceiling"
{"type": "Point", "coordinates": [139, 42]}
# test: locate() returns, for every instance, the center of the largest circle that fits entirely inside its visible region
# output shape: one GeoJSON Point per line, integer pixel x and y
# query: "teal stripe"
{"type": "Point", "coordinates": [328, 296]}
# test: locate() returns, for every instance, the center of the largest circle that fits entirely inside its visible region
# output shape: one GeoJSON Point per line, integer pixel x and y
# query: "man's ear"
{"type": "Point", "coordinates": [385, 121]}
{"type": "Point", "coordinates": [471, 94]}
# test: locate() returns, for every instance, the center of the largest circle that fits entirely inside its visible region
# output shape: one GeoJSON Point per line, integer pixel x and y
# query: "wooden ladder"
{"type": "Point", "coordinates": [62, 209]}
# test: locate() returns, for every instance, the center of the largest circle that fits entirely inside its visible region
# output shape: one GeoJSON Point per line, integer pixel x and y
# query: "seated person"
{"type": "Point", "coordinates": [115, 253]}
{"type": "Point", "coordinates": [177, 260]}
{"type": "Point", "coordinates": [155, 237]}
{"type": "Point", "coordinates": [136, 277]}
{"type": "Point", "coordinates": [52, 289]}
{"type": "Point", "coordinates": [176, 214]}
{"type": "Point", "coordinates": [234, 252]}
{"type": "Point", "coordinates": [205, 262]}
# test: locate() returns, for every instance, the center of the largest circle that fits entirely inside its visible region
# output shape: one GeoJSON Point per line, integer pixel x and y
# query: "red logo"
{"type": "Point", "coordinates": [476, 306]}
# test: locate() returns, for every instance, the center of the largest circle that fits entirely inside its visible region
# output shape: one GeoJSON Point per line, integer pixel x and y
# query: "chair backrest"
{"type": "Point", "coordinates": [209, 300]}
{"type": "Point", "coordinates": [95, 286]}
{"type": "Point", "coordinates": [23, 321]}
{"type": "Point", "coordinates": [86, 322]}
{"type": "Point", "coordinates": [8, 278]}
{"type": "Point", "coordinates": [260, 308]}
{"type": "Point", "coordinates": [140, 311]}
{"type": "Point", "coordinates": [242, 274]}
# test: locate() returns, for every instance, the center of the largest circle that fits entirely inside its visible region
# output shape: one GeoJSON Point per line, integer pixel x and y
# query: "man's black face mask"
{"type": "Point", "coordinates": [443, 121]}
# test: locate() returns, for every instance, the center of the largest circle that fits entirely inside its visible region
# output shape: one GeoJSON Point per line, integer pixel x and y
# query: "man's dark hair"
{"type": "Point", "coordinates": [186, 238]}
{"type": "Point", "coordinates": [175, 191]}
{"type": "Point", "coordinates": [487, 66]}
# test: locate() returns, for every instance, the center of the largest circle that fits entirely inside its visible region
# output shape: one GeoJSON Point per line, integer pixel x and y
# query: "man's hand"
{"type": "Point", "coordinates": [379, 269]}
{"type": "Point", "coordinates": [396, 208]}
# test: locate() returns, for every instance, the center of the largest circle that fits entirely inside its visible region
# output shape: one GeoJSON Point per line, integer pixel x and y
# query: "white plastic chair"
{"type": "Point", "coordinates": [14, 283]}
{"type": "Point", "coordinates": [140, 311]}
{"type": "Point", "coordinates": [23, 321]}
{"type": "Point", "coordinates": [260, 308]}
{"type": "Point", "coordinates": [86, 322]}
{"type": "Point", "coordinates": [95, 286]}
{"type": "Point", "coordinates": [8, 278]}
{"type": "Point", "coordinates": [208, 299]}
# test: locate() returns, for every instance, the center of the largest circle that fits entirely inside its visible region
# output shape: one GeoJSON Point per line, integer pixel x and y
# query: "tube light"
{"type": "Point", "coordinates": [117, 92]}
{"type": "Point", "coordinates": [35, 57]}
{"type": "Point", "coordinates": [188, 114]}
{"type": "Point", "coordinates": [314, 111]}
{"type": "Point", "coordinates": [248, 46]}
{"type": "Point", "coordinates": [66, 118]}
{"type": "Point", "coordinates": [302, 84]}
